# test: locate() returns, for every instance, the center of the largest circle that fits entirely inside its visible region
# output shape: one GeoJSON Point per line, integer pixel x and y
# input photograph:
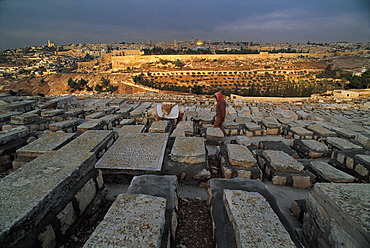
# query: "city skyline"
{"type": "Point", "coordinates": [32, 23]}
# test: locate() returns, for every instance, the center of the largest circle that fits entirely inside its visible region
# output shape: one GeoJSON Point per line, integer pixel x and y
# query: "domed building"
{"type": "Point", "coordinates": [200, 43]}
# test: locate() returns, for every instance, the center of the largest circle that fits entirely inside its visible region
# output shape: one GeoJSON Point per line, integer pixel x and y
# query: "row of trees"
{"type": "Point", "coordinates": [280, 89]}
{"type": "Point", "coordinates": [82, 84]}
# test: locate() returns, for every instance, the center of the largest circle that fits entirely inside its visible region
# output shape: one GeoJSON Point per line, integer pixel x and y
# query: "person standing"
{"type": "Point", "coordinates": [220, 111]}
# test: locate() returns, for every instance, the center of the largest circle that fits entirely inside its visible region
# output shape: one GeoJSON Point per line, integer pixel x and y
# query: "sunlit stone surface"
{"type": "Point", "coordinates": [254, 221]}
{"type": "Point", "coordinates": [136, 151]}
{"type": "Point", "coordinates": [132, 221]}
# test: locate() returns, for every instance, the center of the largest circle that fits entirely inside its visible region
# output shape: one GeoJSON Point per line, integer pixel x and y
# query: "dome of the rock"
{"type": "Point", "coordinates": [200, 43]}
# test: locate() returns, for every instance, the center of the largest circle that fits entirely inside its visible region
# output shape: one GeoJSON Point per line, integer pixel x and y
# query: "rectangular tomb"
{"type": "Point", "coordinates": [96, 141]}
{"type": "Point", "coordinates": [133, 220]}
{"type": "Point", "coordinates": [135, 153]}
{"type": "Point", "coordinates": [338, 215]}
{"type": "Point", "coordinates": [254, 222]}
{"type": "Point", "coordinates": [28, 195]}
{"type": "Point", "coordinates": [189, 150]}
{"type": "Point", "coordinates": [47, 142]}
{"type": "Point", "coordinates": [131, 129]}
{"type": "Point", "coordinates": [240, 155]}
{"type": "Point", "coordinates": [329, 173]}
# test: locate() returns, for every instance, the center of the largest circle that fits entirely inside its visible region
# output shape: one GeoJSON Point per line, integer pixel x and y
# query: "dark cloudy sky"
{"type": "Point", "coordinates": [33, 22]}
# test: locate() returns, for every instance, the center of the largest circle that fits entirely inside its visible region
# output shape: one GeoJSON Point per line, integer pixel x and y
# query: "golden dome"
{"type": "Point", "coordinates": [200, 43]}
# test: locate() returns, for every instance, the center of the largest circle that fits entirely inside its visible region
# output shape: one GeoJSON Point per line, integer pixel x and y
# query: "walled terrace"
{"type": "Point", "coordinates": [290, 173]}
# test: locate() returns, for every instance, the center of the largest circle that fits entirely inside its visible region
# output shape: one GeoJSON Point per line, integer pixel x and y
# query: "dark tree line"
{"type": "Point", "coordinates": [81, 84]}
{"type": "Point", "coordinates": [356, 82]}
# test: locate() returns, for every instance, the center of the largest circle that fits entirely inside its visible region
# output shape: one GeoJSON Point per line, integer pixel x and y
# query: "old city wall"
{"type": "Point", "coordinates": [122, 62]}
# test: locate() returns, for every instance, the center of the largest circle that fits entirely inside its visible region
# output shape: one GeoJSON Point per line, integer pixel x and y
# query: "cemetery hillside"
{"type": "Point", "coordinates": [115, 145]}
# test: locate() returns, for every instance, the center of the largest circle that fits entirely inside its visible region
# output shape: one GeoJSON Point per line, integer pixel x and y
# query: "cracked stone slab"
{"type": "Point", "coordinates": [133, 220]}
{"type": "Point", "coordinates": [254, 222]}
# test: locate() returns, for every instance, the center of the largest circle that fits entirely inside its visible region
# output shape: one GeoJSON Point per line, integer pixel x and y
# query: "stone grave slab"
{"type": "Point", "coordinates": [281, 161]}
{"type": "Point", "coordinates": [95, 115]}
{"type": "Point", "coordinates": [189, 150]}
{"type": "Point", "coordinates": [131, 129]}
{"type": "Point", "coordinates": [224, 234]}
{"type": "Point", "coordinates": [47, 142]}
{"type": "Point", "coordinates": [52, 113]}
{"type": "Point", "coordinates": [162, 126]}
{"type": "Point", "coordinates": [240, 155]}
{"type": "Point", "coordinates": [93, 124]}
{"type": "Point", "coordinates": [300, 133]}
{"type": "Point", "coordinates": [135, 153]}
{"type": "Point", "coordinates": [340, 211]}
{"type": "Point", "coordinates": [230, 125]}
{"type": "Point", "coordinates": [160, 186]}
{"type": "Point", "coordinates": [127, 122]}
{"type": "Point", "coordinates": [330, 173]}
{"type": "Point", "coordinates": [96, 141]}
{"type": "Point", "coordinates": [310, 148]}
{"type": "Point", "coordinates": [278, 146]}
{"type": "Point", "coordinates": [12, 134]}
{"type": "Point", "coordinates": [133, 220]}
{"type": "Point", "coordinates": [103, 102]}
{"type": "Point", "coordinates": [117, 103]}
{"type": "Point", "coordinates": [321, 131]}
{"type": "Point", "coordinates": [246, 110]}
{"type": "Point", "coordinates": [28, 194]}
{"type": "Point", "coordinates": [342, 144]}
{"type": "Point", "coordinates": [251, 126]}
{"type": "Point", "coordinates": [24, 119]}
{"type": "Point", "coordinates": [270, 122]}
{"type": "Point", "coordinates": [350, 161]}
{"type": "Point", "coordinates": [232, 168]}
{"type": "Point", "coordinates": [243, 140]}
{"type": "Point", "coordinates": [254, 222]}
{"type": "Point", "coordinates": [284, 121]}
{"type": "Point", "coordinates": [214, 133]}
{"type": "Point", "coordinates": [21, 106]}
{"type": "Point", "coordinates": [302, 115]}
{"type": "Point", "coordinates": [206, 118]}
{"type": "Point", "coordinates": [344, 133]}
{"type": "Point", "coordinates": [241, 120]}
{"type": "Point", "coordinates": [68, 125]}
{"type": "Point", "coordinates": [7, 115]}
{"type": "Point", "coordinates": [183, 129]}
{"type": "Point", "coordinates": [113, 120]}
